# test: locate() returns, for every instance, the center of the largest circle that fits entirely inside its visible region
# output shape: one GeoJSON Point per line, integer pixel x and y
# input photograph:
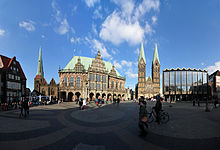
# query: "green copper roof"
{"type": "Point", "coordinates": [86, 62]}
{"type": "Point", "coordinates": [40, 70]}
{"type": "Point", "coordinates": [141, 55]}
{"type": "Point", "coordinates": [156, 57]}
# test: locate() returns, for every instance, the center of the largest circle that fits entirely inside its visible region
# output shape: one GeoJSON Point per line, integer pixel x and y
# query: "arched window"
{"type": "Point", "coordinates": [117, 85]}
{"type": "Point", "coordinates": [78, 81]}
{"type": "Point", "coordinates": [71, 81]}
{"type": "Point", "coordinates": [65, 81]}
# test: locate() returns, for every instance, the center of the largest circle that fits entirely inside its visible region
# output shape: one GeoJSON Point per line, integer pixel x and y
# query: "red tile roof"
{"type": "Point", "coordinates": [7, 62]}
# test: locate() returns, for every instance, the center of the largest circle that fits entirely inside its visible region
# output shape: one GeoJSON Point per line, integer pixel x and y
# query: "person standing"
{"type": "Point", "coordinates": [26, 108]}
{"type": "Point", "coordinates": [80, 103]}
{"type": "Point", "coordinates": [84, 104]}
{"type": "Point", "coordinates": [22, 108]}
{"type": "Point", "coordinates": [143, 117]}
{"type": "Point", "coordinates": [96, 101]}
{"type": "Point", "coordinates": [158, 108]}
{"type": "Point", "coordinates": [118, 100]}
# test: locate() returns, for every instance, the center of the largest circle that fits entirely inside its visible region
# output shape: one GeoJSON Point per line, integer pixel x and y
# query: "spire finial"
{"type": "Point", "coordinates": [141, 54]}
{"type": "Point", "coordinates": [156, 56]}
{"type": "Point", "coordinates": [40, 70]}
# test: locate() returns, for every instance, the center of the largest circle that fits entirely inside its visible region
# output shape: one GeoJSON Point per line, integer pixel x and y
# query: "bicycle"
{"type": "Point", "coordinates": [163, 116]}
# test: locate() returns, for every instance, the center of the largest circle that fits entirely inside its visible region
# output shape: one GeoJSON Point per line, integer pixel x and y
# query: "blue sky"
{"type": "Point", "coordinates": [187, 33]}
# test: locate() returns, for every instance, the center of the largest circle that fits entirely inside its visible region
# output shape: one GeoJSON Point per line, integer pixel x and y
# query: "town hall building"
{"type": "Point", "coordinates": [85, 77]}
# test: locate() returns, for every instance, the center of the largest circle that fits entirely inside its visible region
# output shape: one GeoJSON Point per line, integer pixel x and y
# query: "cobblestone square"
{"type": "Point", "coordinates": [64, 126]}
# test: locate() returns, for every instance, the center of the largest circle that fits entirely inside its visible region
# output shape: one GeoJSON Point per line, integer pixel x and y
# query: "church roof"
{"type": "Point", "coordinates": [86, 62]}
{"type": "Point", "coordinates": [156, 57]}
{"type": "Point", "coordinates": [141, 55]}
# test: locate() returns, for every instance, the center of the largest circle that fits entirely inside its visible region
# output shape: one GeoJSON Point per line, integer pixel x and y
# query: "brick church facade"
{"type": "Point", "coordinates": [41, 85]}
{"type": "Point", "coordinates": [150, 86]}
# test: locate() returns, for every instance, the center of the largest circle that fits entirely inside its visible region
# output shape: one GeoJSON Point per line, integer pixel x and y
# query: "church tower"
{"type": "Point", "coordinates": [40, 73]}
{"type": "Point", "coordinates": [156, 72]}
{"type": "Point", "coordinates": [141, 73]}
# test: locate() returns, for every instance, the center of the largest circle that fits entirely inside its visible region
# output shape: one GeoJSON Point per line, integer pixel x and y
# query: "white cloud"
{"type": "Point", "coordinates": [145, 7]}
{"type": "Point", "coordinates": [74, 9]}
{"type": "Point", "coordinates": [29, 25]}
{"type": "Point", "coordinates": [136, 63]}
{"type": "Point", "coordinates": [75, 40]}
{"type": "Point", "coordinates": [129, 24]}
{"type": "Point", "coordinates": [137, 51]}
{"type": "Point", "coordinates": [117, 65]}
{"type": "Point", "coordinates": [72, 40]}
{"type": "Point", "coordinates": [97, 45]}
{"type": "Point", "coordinates": [154, 19]}
{"type": "Point", "coordinates": [130, 73]}
{"type": "Point", "coordinates": [114, 51]}
{"type": "Point", "coordinates": [2, 32]}
{"type": "Point", "coordinates": [97, 13]}
{"type": "Point", "coordinates": [127, 6]}
{"type": "Point", "coordinates": [213, 68]}
{"type": "Point", "coordinates": [148, 29]}
{"type": "Point", "coordinates": [117, 30]}
{"type": "Point", "coordinates": [126, 63]}
{"type": "Point", "coordinates": [91, 3]}
{"type": "Point", "coordinates": [42, 36]}
{"type": "Point", "coordinates": [94, 30]}
{"type": "Point", "coordinates": [63, 27]}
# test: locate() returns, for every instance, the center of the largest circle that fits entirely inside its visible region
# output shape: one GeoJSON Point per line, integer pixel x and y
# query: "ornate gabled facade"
{"type": "Point", "coordinates": [41, 85]}
{"type": "Point", "coordinates": [13, 80]}
{"type": "Point", "coordinates": [151, 86]}
{"type": "Point", "coordinates": [90, 78]}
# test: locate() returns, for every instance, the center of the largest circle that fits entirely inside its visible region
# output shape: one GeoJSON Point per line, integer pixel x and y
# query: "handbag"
{"type": "Point", "coordinates": [144, 119]}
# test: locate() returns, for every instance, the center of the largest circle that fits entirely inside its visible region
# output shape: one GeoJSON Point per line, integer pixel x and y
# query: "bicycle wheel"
{"type": "Point", "coordinates": [150, 117]}
{"type": "Point", "coordinates": [164, 118]}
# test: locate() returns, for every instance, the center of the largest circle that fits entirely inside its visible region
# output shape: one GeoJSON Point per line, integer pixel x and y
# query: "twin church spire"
{"type": "Point", "coordinates": [142, 55]}
{"type": "Point", "coordinates": [150, 87]}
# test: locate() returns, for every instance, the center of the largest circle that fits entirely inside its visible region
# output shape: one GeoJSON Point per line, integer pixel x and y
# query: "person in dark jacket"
{"type": "Point", "coordinates": [22, 108]}
{"type": "Point", "coordinates": [158, 108]}
{"type": "Point", "coordinates": [142, 114]}
{"type": "Point", "coordinates": [26, 108]}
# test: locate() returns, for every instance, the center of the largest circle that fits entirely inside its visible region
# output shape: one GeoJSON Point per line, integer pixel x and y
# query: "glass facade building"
{"type": "Point", "coordinates": [185, 84]}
